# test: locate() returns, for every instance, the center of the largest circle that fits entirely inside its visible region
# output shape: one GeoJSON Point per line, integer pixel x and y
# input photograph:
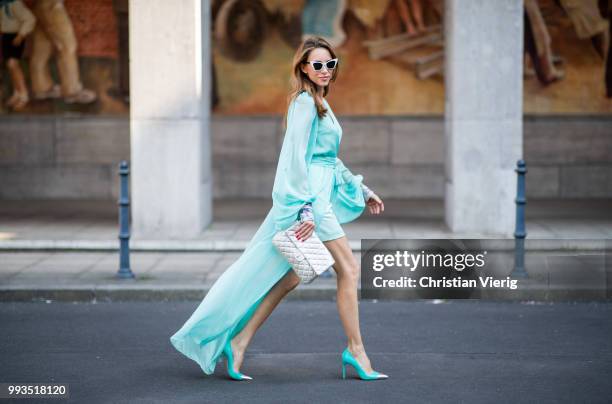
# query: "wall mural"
{"type": "Point", "coordinates": [392, 54]}
{"type": "Point", "coordinates": [64, 56]}
{"type": "Point", "coordinates": [71, 56]}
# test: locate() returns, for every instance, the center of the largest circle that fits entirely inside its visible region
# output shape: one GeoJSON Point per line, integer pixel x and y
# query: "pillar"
{"type": "Point", "coordinates": [483, 114]}
{"type": "Point", "coordinates": [170, 59]}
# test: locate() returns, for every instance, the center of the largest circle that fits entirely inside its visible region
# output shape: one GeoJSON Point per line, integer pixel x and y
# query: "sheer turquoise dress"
{"type": "Point", "coordinates": [308, 170]}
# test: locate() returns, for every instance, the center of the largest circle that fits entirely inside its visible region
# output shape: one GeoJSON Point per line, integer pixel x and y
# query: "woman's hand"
{"type": "Point", "coordinates": [375, 205]}
{"type": "Point", "coordinates": [304, 230]}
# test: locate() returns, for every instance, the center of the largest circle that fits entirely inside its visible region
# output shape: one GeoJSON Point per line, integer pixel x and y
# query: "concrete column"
{"type": "Point", "coordinates": [171, 175]}
{"type": "Point", "coordinates": [483, 113]}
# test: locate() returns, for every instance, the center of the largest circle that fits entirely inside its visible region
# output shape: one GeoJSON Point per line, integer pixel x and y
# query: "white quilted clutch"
{"type": "Point", "coordinates": [308, 258]}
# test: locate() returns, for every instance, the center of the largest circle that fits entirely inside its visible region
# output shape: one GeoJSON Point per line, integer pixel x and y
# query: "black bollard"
{"type": "Point", "coordinates": [520, 232]}
{"type": "Point", "coordinates": [124, 225]}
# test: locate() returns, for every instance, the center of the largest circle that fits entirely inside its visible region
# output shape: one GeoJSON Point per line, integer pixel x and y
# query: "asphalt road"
{"type": "Point", "coordinates": [458, 351]}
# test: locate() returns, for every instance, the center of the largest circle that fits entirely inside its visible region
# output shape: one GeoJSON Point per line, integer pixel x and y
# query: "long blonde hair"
{"type": "Point", "coordinates": [300, 81]}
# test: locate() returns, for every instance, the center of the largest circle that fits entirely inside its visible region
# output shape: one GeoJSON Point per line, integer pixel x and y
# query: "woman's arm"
{"type": "Point", "coordinates": [291, 188]}
{"type": "Point", "coordinates": [367, 192]}
{"type": "Point", "coordinates": [303, 117]}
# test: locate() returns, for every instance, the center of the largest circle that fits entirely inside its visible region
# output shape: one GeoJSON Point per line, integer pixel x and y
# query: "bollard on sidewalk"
{"type": "Point", "coordinates": [520, 233]}
{"type": "Point", "coordinates": [124, 225]}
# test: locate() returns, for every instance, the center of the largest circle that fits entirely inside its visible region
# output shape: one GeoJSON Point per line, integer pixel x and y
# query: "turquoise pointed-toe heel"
{"type": "Point", "coordinates": [227, 350]}
{"type": "Point", "coordinates": [349, 359]}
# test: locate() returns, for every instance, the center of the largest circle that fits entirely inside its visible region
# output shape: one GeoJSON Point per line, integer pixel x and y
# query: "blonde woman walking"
{"type": "Point", "coordinates": [312, 185]}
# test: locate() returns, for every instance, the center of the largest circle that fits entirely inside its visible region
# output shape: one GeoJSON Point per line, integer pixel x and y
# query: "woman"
{"type": "Point", "coordinates": [311, 185]}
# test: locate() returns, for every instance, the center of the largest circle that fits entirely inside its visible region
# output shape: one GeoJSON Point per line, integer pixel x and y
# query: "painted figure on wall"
{"type": "Point", "coordinates": [16, 23]}
{"type": "Point", "coordinates": [538, 45]}
{"type": "Point", "coordinates": [605, 9]}
{"type": "Point", "coordinates": [324, 18]}
{"type": "Point", "coordinates": [54, 34]}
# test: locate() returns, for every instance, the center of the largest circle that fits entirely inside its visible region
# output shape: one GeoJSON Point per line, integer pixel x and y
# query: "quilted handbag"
{"type": "Point", "coordinates": [308, 258]}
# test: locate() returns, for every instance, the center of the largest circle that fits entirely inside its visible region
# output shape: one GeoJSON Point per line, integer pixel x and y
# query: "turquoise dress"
{"type": "Point", "coordinates": [308, 170]}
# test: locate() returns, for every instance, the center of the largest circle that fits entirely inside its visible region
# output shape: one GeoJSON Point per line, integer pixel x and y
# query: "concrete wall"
{"type": "Point", "coordinates": [76, 158]}
{"type": "Point", "coordinates": [61, 158]}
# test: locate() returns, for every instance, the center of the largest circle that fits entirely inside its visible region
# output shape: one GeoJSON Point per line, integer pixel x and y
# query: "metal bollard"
{"type": "Point", "coordinates": [124, 225]}
{"type": "Point", "coordinates": [520, 233]}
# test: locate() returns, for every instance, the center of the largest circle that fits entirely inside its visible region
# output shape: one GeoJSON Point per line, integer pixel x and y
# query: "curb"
{"type": "Point", "coordinates": [587, 244]}
{"type": "Point", "coordinates": [324, 291]}
{"type": "Point", "coordinates": [131, 294]}
{"type": "Point", "coordinates": [135, 245]}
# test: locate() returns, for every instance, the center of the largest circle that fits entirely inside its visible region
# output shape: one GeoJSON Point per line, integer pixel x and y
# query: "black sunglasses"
{"type": "Point", "coordinates": [318, 65]}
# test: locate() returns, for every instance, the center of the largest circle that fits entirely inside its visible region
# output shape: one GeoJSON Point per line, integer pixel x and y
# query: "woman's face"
{"type": "Point", "coordinates": [321, 77]}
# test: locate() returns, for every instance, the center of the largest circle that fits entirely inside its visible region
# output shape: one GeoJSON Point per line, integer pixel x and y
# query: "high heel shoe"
{"type": "Point", "coordinates": [348, 358]}
{"type": "Point", "coordinates": [227, 350]}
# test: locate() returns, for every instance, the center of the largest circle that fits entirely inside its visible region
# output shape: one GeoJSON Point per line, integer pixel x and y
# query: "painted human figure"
{"type": "Point", "coordinates": [16, 23]}
{"type": "Point", "coordinates": [55, 33]}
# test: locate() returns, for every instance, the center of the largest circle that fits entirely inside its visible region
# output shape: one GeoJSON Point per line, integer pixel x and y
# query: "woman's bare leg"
{"type": "Point", "coordinates": [20, 89]}
{"type": "Point", "coordinates": [240, 342]}
{"type": "Point", "coordinates": [347, 271]}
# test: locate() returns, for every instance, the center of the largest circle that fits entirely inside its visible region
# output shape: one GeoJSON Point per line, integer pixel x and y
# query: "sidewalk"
{"type": "Point", "coordinates": [70, 251]}
{"type": "Point", "coordinates": [86, 226]}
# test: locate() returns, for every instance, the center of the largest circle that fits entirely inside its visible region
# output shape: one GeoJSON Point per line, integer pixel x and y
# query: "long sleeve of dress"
{"type": "Point", "coordinates": [348, 200]}
{"type": "Point", "coordinates": [306, 211]}
{"type": "Point", "coordinates": [348, 176]}
{"type": "Point", "coordinates": [291, 186]}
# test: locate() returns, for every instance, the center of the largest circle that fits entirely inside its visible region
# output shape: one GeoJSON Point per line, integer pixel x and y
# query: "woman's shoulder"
{"type": "Point", "coordinates": [305, 98]}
